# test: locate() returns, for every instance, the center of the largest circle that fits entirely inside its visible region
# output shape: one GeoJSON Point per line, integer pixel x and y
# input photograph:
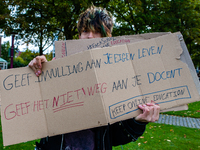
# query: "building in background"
{"type": "Point", "coordinates": [3, 64]}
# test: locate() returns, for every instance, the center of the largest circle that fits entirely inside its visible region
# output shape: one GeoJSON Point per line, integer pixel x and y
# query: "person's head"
{"type": "Point", "coordinates": [95, 22]}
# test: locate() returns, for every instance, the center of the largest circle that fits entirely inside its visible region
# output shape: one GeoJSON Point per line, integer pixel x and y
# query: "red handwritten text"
{"type": "Point", "coordinates": [120, 41]}
{"type": "Point", "coordinates": [63, 49]}
{"type": "Point", "coordinates": [66, 100]}
{"type": "Point", "coordinates": [11, 111]}
{"type": "Point", "coordinates": [39, 105]}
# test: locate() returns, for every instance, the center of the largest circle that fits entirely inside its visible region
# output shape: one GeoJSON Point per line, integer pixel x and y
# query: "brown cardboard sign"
{"type": "Point", "coordinates": [69, 47]}
{"type": "Point", "coordinates": [95, 87]}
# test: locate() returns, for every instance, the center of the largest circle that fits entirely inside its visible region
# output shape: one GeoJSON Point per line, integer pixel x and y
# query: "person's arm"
{"type": "Point", "coordinates": [129, 130]}
{"type": "Point", "coordinates": [126, 131]}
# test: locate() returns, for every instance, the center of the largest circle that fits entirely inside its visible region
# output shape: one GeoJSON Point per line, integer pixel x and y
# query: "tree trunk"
{"type": "Point", "coordinates": [41, 39]}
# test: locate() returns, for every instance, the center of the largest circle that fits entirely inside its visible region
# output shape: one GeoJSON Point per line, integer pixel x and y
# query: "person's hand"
{"type": "Point", "coordinates": [150, 113]}
{"type": "Point", "coordinates": [36, 64]}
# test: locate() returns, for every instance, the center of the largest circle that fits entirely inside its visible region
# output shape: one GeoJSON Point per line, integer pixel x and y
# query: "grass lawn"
{"type": "Point", "coordinates": [165, 137]}
{"type": "Point", "coordinates": [193, 111]}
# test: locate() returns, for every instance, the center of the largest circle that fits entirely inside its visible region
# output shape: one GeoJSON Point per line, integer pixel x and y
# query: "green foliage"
{"type": "Point", "coordinates": [27, 56]}
{"type": "Point", "coordinates": [23, 60]}
{"type": "Point", "coordinates": [18, 62]}
{"type": "Point", "coordinates": [49, 56]}
{"type": "Point", "coordinates": [5, 50]}
{"type": "Point", "coordinates": [32, 22]}
{"type": "Point", "coordinates": [142, 16]}
{"type": "Point", "coordinates": [4, 13]}
{"type": "Point", "coordinates": [38, 22]}
{"type": "Point", "coordinates": [195, 53]}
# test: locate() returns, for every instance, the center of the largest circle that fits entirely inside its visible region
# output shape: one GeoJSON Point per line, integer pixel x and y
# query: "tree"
{"type": "Point", "coordinates": [132, 16]}
{"type": "Point", "coordinates": [142, 16]}
{"type": "Point", "coordinates": [38, 22]}
{"type": "Point", "coordinates": [183, 16]}
{"type": "Point", "coordinates": [4, 13]}
{"type": "Point", "coordinates": [31, 24]}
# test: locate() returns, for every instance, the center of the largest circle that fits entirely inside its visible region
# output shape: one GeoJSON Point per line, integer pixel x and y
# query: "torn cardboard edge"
{"type": "Point", "coordinates": [185, 57]}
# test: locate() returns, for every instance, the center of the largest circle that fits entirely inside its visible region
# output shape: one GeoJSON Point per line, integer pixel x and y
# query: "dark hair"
{"type": "Point", "coordinates": [96, 19]}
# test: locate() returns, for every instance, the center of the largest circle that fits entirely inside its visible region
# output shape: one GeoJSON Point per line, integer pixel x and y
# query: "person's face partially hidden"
{"type": "Point", "coordinates": [89, 35]}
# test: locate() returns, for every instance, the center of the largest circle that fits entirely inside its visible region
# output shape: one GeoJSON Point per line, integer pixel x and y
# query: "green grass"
{"type": "Point", "coordinates": [193, 111]}
{"type": "Point", "coordinates": [22, 146]}
{"type": "Point", "coordinates": [165, 137]}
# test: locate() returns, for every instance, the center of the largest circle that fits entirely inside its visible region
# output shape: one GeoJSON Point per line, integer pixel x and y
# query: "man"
{"type": "Point", "coordinates": [96, 22]}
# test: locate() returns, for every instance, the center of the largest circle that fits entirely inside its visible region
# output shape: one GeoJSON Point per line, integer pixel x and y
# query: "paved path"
{"type": "Point", "coordinates": [179, 121]}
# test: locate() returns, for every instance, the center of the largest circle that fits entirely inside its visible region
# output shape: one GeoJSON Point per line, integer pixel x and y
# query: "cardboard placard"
{"type": "Point", "coordinates": [96, 87]}
{"type": "Point", "coordinates": [69, 47]}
